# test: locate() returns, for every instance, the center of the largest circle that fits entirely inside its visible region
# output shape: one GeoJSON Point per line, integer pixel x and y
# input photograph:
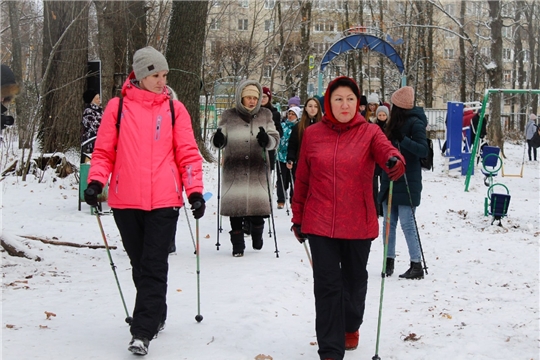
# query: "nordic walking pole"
{"type": "Point", "coordinates": [415, 224]}
{"type": "Point", "coordinates": [269, 195]}
{"type": "Point", "coordinates": [219, 228]}
{"type": "Point", "coordinates": [129, 319]}
{"type": "Point", "coordinates": [383, 273]}
{"type": "Point", "coordinates": [198, 317]}
{"type": "Point", "coordinates": [190, 230]}
{"type": "Point", "coordinates": [308, 254]}
{"type": "Point", "coordinates": [283, 189]}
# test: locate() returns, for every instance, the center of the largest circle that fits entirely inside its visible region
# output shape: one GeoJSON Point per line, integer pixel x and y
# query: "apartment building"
{"type": "Point", "coordinates": [263, 40]}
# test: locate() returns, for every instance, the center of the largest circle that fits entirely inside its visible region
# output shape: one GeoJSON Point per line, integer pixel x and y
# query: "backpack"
{"type": "Point", "coordinates": [427, 162]}
{"type": "Point", "coordinates": [119, 116]}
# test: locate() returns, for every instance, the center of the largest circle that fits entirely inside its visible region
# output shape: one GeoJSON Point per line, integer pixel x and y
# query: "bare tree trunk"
{"type": "Point", "coordinates": [305, 27]}
{"type": "Point", "coordinates": [60, 120]}
{"type": "Point", "coordinates": [184, 55]}
{"type": "Point", "coordinates": [22, 121]}
{"type": "Point", "coordinates": [495, 75]}
{"type": "Point", "coordinates": [462, 55]}
{"type": "Point", "coordinates": [105, 18]}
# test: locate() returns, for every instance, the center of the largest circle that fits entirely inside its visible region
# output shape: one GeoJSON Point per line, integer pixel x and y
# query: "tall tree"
{"type": "Point", "coordinates": [305, 26]}
{"type": "Point", "coordinates": [64, 69]}
{"type": "Point", "coordinates": [495, 73]}
{"type": "Point", "coordinates": [184, 55]}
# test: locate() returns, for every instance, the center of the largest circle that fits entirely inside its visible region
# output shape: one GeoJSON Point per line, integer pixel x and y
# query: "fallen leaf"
{"type": "Point", "coordinates": [49, 315]}
{"type": "Point", "coordinates": [43, 327]}
{"type": "Point", "coordinates": [412, 337]}
{"type": "Point", "coordinates": [10, 326]}
{"type": "Point", "coordinates": [179, 290]}
{"type": "Point", "coordinates": [263, 357]}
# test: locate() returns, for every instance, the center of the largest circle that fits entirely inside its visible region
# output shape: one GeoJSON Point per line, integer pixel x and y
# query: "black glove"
{"type": "Point", "coordinates": [396, 168]}
{"type": "Point", "coordinates": [219, 139]}
{"type": "Point", "coordinates": [262, 138]}
{"type": "Point", "coordinates": [92, 191]}
{"type": "Point", "coordinates": [297, 230]}
{"type": "Point", "coordinates": [397, 135]}
{"type": "Point", "coordinates": [197, 204]}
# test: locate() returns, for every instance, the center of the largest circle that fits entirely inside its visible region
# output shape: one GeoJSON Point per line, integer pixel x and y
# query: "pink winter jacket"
{"type": "Point", "coordinates": [150, 161]}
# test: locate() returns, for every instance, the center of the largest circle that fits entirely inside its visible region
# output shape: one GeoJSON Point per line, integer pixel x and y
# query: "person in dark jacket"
{"type": "Point", "coordinates": [382, 116]}
{"type": "Point", "coordinates": [91, 119]}
{"type": "Point", "coordinates": [246, 133]}
{"type": "Point", "coordinates": [267, 103]}
{"type": "Point", "coordinates": [310, 115]}
{"type": "Point", "coordinates": [333, 208]}
{"type": "Point", "coordinates": [407, 131]}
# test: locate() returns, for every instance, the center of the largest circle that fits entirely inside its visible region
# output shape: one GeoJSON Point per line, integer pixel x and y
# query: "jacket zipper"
{"type": "Point", "coordinates": [334, 183]}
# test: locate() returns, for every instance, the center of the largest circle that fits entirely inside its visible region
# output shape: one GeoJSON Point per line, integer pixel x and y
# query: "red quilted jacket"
{"type": "Point", "coordinates": [333, 192]}
{"type": "Point", "coordinates": [151, 161]}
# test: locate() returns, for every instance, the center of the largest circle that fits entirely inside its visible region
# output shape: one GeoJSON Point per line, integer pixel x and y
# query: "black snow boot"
{"type": "Point", "coordinates": [389, 266]}
{"type": "Point", "coordinates": [414, 272]}
{"type": "Point", "coordinates": [247, 226]}
{"type": "Point", "coordinates": [257, 236]}
{"type": "Point", "coordinates": [238, 244]}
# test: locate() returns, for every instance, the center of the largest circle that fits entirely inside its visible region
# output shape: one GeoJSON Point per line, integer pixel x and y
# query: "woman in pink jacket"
{"type": "Point", "coordinates": [333, 207]}
{"type": "Point", "coordinates": [148, 158]}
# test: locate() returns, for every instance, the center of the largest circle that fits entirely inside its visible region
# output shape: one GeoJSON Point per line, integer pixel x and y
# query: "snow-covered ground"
{"type": "Point", "coordinates": [480, 299]}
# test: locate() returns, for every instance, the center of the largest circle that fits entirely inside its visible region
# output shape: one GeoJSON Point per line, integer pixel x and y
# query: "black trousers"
{"type": "Point", "coordinates": [283, 180]}
{"type": "Point", "coordinates": [340, 285]}
{"type": "Point", "coordinates": [146, 236]}
{"type": "Point", "coordinates": [531, 147]}
{"type": "Point", "coordinates": [237, 223]}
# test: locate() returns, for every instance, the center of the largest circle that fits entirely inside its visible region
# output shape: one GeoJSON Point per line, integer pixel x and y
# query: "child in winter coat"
{"type": "Point", "coordinates": [284, 174]}
{"type": "Point", "coordinates": [149, 158]}
{"type": "Point", "coordinates": [382, 114]}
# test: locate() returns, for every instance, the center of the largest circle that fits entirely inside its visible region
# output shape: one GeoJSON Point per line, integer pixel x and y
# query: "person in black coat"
{"type": "Point", "coordinates": [407, 131]}
{"type": "Point", "coordinates": [311, 114]}
{"type": "Point", "coordinates": [267, 103]}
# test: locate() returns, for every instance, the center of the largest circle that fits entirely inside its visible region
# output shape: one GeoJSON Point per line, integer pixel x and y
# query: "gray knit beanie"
{"type": "Point", "coordinates": [383, 109]}
{"type": "Point", "coordinates": [148, 61]}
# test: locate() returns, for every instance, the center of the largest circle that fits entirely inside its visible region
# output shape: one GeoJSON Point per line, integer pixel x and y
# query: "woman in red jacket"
{"type": "Point", "coordinates": [152, 158]}
{"type": "Point", "coordinates": [333, 206]}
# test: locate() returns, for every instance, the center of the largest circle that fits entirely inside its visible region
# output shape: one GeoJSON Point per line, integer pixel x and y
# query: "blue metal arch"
{"type": "Point", "coordinates": [360, 41]}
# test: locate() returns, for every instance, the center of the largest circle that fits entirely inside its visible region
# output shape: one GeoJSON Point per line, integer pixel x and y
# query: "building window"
{"type": "Point", "coordinates": [449, 9]}
{"type": "Point", "coordinates": [243, 3]}
{"type": "Point", "coordinates": [267, 71]}
{"type": "Point", "coordinates": [485, 51]}
{"type": "Point", "coordinates": [507, 54]}
{"type": "Point", "coordinates": [320, 48]}
{"type": "Point", "coordinates": [268, 25]}
{"type": "Point", "coordinates": [324, 26]}
{"type": "Point", "coordinates": [449, 54]}
{"type": "Point", "coordinates": [214, 24]}
{"type": "Point", "coordinates": [507, 76]}
{"type": "Point", "coordinates": [242, 24]}
{"type": "Point", "coordinates": [526, 56]}
{"type": "Point", "coordinates": [449, 34]}
{"type": "Point", "coordinates": [269, 4]}
{"type": "Point", "coordinates": [216, 3]}
{"type": "Point", "coordinates": [506, 32]}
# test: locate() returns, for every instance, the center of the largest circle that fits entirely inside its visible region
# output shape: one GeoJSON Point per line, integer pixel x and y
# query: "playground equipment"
{"type": "Point", "coordinates": [495, 204]}
{"type": "Point", "coordinates": [482, 113]}
{"type": "Point", "coordinates": [458, 147]}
